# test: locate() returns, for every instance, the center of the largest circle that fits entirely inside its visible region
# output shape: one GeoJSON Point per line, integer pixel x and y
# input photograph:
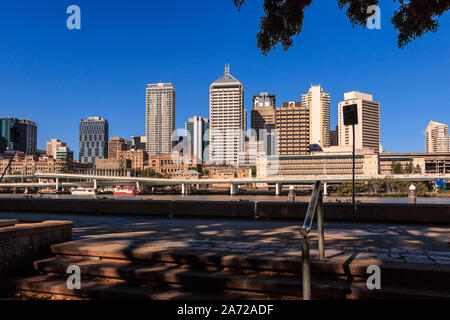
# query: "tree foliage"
{"type": "Point", "coordinates": [396, 167]}
{"type": "Point", "coordinates": [380, 187]}
{"type": "Point", "coordinates": [284, 19]}
{"type": "Point", "coordinates": [148, 173]}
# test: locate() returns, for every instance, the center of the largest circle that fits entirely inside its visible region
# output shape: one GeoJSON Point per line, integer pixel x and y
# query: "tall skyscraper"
{"type": "Point", "coordinates": [227, 119]}
{"type": "Point", "coordinates": [93, 139]}
{"type": "Point", "coordinates": [263, 112]}
{"type": "Point", "coordinates": [197, 135]}
{"type": "Point", "coordinates": [436, 138]}
{"type": "Point", "coordinates": [318, 102]}
{"type": "Point", "coordinates": [27, 130]}
{"type": "Point", "coordinates": [293, 128]}
{"type": "Point", "coordinates": [367, 131]}
{"type": "Point", "coordinates": [160, 117]}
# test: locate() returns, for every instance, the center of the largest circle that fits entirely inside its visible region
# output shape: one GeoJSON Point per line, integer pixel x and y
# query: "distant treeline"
{"type": "Point", "coordinates": [385, 186]}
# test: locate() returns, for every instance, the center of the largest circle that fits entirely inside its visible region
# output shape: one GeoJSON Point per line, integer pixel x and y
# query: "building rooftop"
{"type": "Point", "coordinates": [227, 78]}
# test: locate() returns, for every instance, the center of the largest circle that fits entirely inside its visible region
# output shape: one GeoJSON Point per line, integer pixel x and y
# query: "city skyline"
{"type": "Point", "coordinates": [103, 71]}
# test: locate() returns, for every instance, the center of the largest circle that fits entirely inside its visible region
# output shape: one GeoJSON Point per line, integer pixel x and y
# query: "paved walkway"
{"type": "Point", "coordinates": [396, 241]}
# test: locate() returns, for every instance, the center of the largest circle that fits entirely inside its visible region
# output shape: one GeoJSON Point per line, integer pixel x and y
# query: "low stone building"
{"type": "Point", "coordinates": [337, 161]}
{"type": "Point", "coordinates": [138, 158]}
{"type": "Point", "coordinates": [30, 165]}
{"type": "Point", "coordinates": [169, 163]}
{"type": "Point", "coordinates": [429, 163]}
{"type": "Point", "coordinates": [113, 167]}
{"type": "Point", "coordinates": [186, 174]}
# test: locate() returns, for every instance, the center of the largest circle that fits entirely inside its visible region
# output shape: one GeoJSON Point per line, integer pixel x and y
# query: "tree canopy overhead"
{"type": "Point", "coordinates": [284, 19]}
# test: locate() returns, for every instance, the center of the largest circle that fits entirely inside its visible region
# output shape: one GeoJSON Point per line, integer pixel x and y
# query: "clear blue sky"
{"type": "Point", "coordinates": [56, 76]}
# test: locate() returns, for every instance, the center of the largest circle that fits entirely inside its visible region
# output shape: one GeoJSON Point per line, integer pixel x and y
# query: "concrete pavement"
{"type": "Point", "coordinates": [351, 236]}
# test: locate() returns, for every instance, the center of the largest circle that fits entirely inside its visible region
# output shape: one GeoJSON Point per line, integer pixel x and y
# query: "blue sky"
{"type": "Point", "coordinates": [57, 76]}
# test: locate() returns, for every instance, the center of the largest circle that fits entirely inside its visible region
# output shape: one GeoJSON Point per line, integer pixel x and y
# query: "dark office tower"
{"type": "Point", "coordinates": [263, 112]}
{"type": "Point", "coordinates": [93, 139]}
{"type": "Point", "coordinates": [138, 142]}
{"type": "Point", "coordinates": [334, 137]}
{"type": "Point", "coordinates": [26, 134]}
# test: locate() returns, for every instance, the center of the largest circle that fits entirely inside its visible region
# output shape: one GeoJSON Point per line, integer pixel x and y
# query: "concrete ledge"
{"type": "Point", "coordinates": [367, 212]}
{"type": "Point", "coordinates": [8, 222]}
{"type": "Point", "coordinates": [22, 243]}
{"type": "Point", "coordinates": [217, 209]}
{"type": "Point", "coordinates": [94, 206]}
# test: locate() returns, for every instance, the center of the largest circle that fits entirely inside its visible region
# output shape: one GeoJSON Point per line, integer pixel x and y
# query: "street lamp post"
{"type": "Point", "coordinates": [353, 173]}
{"type": "Point", "coordinates": [350, 113]}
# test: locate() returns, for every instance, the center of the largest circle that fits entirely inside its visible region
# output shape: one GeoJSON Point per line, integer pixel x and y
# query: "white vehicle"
{"type": "Point", "coordinates": [83, 192]}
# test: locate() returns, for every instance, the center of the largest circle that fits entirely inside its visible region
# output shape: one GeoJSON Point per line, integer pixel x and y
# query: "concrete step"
{"type": "Point", "coordinates": [53, 286]}
{"type": "Point", "coordinates": [340, 267]}
{"type": "Point", "coordinates": [210, 279]}
{"type": "Point", "coordinates": [109, 279]}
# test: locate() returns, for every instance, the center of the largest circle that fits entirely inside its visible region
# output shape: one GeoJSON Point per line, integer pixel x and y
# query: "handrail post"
{"type": "Point", "coordinates": [320, 228]}
{"type": "Point", "coordinates": [306, 274]}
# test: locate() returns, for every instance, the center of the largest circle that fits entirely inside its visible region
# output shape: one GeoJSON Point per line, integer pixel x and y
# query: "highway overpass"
{"type": "Point", "coordinates": [278, 181]}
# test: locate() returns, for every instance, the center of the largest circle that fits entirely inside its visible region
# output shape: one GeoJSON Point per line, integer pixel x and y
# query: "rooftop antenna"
{"type": "Point", "coordinates": [227, 70]}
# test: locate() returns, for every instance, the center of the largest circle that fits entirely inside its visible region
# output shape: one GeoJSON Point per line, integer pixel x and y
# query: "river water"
{"type": "Point", "coordinates": [219, 197]}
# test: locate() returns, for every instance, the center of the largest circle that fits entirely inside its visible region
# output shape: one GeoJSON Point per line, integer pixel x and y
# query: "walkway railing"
{"type": "Point", "coordinates": [315, 205]}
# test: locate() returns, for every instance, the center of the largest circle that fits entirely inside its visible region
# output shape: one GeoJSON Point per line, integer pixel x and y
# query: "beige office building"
{"type": "Point", "coordinates": [53, 145]}
{"type": "Point", "coordinates": [227, 119]}
{"type": "Point", "coordinates": [436, 138]}
{"type": "Point", "coordinates": [318, 103]}
{"type": "Point", "coordinates": [293, 128]}
{"type": "Point", "coordinates": [367, 131]}
{"type": "Point", "coordinates": [116, 145]}
{"type": "Point", "coordinates": [160, 117]}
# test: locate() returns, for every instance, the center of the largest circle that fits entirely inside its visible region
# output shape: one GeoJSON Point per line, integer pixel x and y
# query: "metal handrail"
{"type": "Point", "coordinates": [315, 205]}
{"type": "Point", "coordinates": [309, 217]}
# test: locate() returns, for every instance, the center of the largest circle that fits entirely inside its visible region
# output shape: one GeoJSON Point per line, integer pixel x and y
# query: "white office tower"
{"type": "Point", "coordinates": [197, 136]}
{"type": "Point", "coordinates": [367, 131]}
{"type": "Point", "coordinates": [227, 119]}
{"type": "Point", "coordinates": [160, 117]}
{"type": "Point", "coordinates": [318, 103]}
{"type": "Point", "coordinates": [436, 138]}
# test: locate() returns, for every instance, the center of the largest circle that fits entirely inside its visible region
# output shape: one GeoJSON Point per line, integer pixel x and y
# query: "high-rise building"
{"type": "Point", "coordinates": [367, 131]}
{"type": "Point", "coordinates": [318, 102]}
{"type": "Point", "coordinates": [293, 128]}
{"type": "Point", "coordinates": [227, 119]}
{"type": "Point", "coordinates": [160, 117]}
{"type": "Point", "coordinates": [436, 138]}
{"type": "Point", "coordinates": [93, 139]}
{"type": "Point", "coordinates": [138, 142]}
{"type": "Point", "coordinates": [197, 137]}
{"type": "Point", "coordinates": [27, 131]}
{"type": "Point", "coordinates": [117, 144]}
{"type": "Point", "coordinates": [63, 153]}
{"type": "Point", "coordinates": [334, 137]}
{"type": "Point", "coordinates": [263, 112]}
{"type": "Point", "coordinates": [53, 145]}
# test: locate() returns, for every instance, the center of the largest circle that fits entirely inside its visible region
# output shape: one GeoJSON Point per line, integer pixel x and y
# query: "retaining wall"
{"type": "Point", "coordinates": [366, 212]}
